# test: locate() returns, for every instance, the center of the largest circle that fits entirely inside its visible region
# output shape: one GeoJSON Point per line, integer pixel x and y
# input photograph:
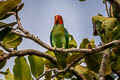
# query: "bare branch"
{"type": "Point", "coordinates": [28, 52]}
{"type": "Point", "coordinates": [103, 65]}
{"type": "Point", "coordinates": [105, 2]}
{"type": "Point", "coordinates": [3, 72]}
{"type": "Point", "coordinates": [18, 33]}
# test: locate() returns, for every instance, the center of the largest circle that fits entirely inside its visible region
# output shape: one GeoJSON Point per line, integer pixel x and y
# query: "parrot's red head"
{"type": "Point", "coordinates": [58, 19]}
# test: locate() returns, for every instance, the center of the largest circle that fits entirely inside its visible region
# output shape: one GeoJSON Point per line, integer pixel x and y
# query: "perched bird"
{"type": "Point", "coordinates": [59, 39]}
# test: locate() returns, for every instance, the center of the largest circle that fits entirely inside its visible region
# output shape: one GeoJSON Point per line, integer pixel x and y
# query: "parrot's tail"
{"type": "Point", "coordinates": [61, 60]}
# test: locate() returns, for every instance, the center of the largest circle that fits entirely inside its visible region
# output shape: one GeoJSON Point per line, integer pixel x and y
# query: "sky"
{"type": "Point", "coordinates": [37, 17]}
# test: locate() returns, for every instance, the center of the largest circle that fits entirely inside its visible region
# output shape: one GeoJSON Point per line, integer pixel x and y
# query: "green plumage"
{"type": "Point", "coordinates": [59, 39]}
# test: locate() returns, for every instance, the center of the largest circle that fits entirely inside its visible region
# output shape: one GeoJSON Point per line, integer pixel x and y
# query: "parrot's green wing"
{"type": "Point", "coordinates": [66, 36]}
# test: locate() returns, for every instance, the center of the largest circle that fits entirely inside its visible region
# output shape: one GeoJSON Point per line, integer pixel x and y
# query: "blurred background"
{"type": "Point", "coordinates": [37, 17]}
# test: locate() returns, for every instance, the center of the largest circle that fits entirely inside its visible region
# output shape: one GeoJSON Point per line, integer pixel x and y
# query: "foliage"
{"type": "Point", "coordinates": [9, 75]}
{"type": "Point", "coordinates": [107, 28]}
{"type": "Point", "coordinates": [7, 6]}
{"type": "Point", "coordinates": [36, 65]}
{"type": "Point", "coordinates": [21, 69]}
{"type": "Point", "coordinates": [81, 0]}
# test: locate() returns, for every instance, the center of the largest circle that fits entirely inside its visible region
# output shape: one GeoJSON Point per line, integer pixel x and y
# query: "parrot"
{"type": "Point", "coordinates": [59, 39]}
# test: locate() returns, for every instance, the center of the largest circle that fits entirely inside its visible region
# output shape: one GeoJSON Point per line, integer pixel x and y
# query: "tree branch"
{"type": "Point", "coordinates": [103, 65]}
{"type": "Point", "coordinates": [28, 52]}
{"type": "Point", "coordinates": [105, 2]}
{"type": "Point", "coordinates": [54, 69]}
{"type": "Point", "coordinates": [1, 72]}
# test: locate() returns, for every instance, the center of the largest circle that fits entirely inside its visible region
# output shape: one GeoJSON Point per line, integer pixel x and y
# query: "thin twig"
{"type": "Point", "coordinates": [1, 72]}
{"type": "Point", "coordinates": [50, 70]}
{"type": "Point", "coordinates": [18, 33]}
{"type": "Point", "coordinates": [111, 11]}
{"type": "Point", "coordinates": [68, 66]}
{"type": "Point", "coordinates": [19, 24]}
{"type": "Point", "coordinates": [104, 1]}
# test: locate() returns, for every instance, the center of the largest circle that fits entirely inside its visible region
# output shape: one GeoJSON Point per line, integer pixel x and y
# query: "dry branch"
{"type": "Point", "coordinates": [103, 65]}
{"type": "Point", "coordinates": [27, 52]}
{"type": "Point", "coordinates": [50, 70]}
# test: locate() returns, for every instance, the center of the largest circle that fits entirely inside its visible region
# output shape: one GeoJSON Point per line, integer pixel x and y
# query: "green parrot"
{"type": "Point", "coordinates": [59, 39]}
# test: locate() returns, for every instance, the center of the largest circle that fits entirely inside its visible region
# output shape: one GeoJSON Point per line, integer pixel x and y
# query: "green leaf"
{"type": "Point", "coordinates": [3, 25]}
{"type": "Point", "coordinates": [81, 0]}
{"type": "Point", "coordinates": [107, 28]}
{"type": "Point", "coordinates": [93, 61]}
{"type": "Point", "coordinates": [2, 63]}
{"type": "Point", "coordinates": [84, 43]}
{"type": "Point", "coordinates": [116, 65]}
{"type": "Point", "coordinates": [72, 43]}
{"type": "Point", "coordinates": [20, 6]}
{"type": "Point", "coordinates": [21, 69]}
{"type": "Point", "coordinates": [12, 40]}
{"type": "Point", "coordinates": [48, 75]}
{"type": "Point", "coordinates": [72, 57]}
{"type": "Point", "coordinates": [74, 78]}
{"type": "Point", "coordinates": [36, 65]}
{"type": "Point", "coordinates": [4, 32]}
{"type": "Point", "coordinates": [48, 63]}
{"type": "Point", "coordinates": [5, 16]}
{"type": "Point", "coordinates": [92, 43]}
{"type": "Point", "coordinates": [9, 76]}
{"type": "Point", "coordinates": [7, 6]}
{"type": "Point", "coordinates": [51, 53]}
{"type": "Point", "coordinates": [88, 74]}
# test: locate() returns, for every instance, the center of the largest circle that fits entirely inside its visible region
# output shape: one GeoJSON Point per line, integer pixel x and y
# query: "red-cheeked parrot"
{"type": "Point", "coordinates": [59, 39]}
